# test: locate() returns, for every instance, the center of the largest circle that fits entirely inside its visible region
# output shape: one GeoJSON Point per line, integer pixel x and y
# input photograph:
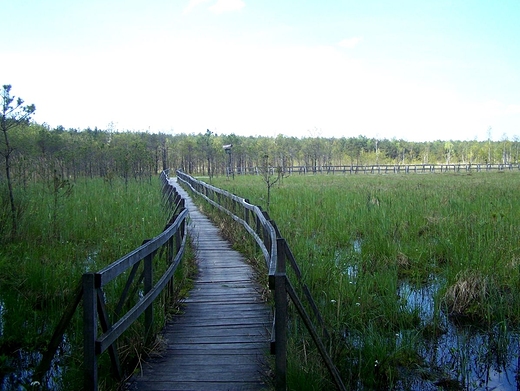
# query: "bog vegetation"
{"type": "Point", "coordinates": [417, 276]}
{"type": "Point", "coordinates": [94, 223]}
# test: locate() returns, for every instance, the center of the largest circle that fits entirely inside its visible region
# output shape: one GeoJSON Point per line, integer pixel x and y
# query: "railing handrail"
{"type": "Point", "coordinates": [380, 168]}
{"type": "Point", "coordinates": [173, 239]}
{"type": "Point", "coordinates": [116, 268]}
{"type": "Point", "coordinates": [269, 252]}
{"type": "Point", "coordinates": [278, 279]}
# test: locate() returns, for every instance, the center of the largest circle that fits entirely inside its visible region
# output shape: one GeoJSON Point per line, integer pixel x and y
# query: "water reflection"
{"type": "Point", "coordinates": [345, 260]}
{"type": "Point", "coordinates": [89, 263]}
{"type": "Point", "coordinates": [420, 299]}
{"type": "Point", "coordinates": [20, 378]}
{"type": "Point", "coordinates": [2, 311]}
{"type": "Point", "coordinates": [18, 364]}
{"type": "Point", "coordinates": [472, 357]}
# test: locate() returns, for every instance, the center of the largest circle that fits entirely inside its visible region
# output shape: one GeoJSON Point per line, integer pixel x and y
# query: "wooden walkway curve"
{"type": "Point", "coordinates": [221, 340]}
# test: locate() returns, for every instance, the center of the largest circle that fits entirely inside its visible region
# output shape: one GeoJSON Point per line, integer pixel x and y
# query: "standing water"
{"type": "Point", "coordinates": [461, 356]}
{"type": "Point", "coordinates": [17, 364]}
{"type": "Point", "coordinates": [453, 355]}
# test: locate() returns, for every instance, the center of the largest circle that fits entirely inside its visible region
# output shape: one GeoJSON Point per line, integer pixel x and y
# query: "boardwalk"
{"type": "Point", "coordinates": [221, 340]}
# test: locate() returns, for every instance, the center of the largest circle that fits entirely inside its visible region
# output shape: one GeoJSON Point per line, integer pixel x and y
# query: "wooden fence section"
{"type": "Point", "coordinates": [384, 169]}
{"type": "Point", "coordinates": [221, 338]}
{"type": "Point", "coordinates": [277, 256]}
{"type": "Point", "coordinates": [138, 293]}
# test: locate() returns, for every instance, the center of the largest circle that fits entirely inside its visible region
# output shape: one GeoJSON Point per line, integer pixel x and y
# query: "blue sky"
{"type": "Point", "coordinates": [415, 70]}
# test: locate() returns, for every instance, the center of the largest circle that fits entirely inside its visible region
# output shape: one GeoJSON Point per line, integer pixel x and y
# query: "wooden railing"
{"type": "Point", "coordinates": [171, 244]}
{"type": "Point", "coordinates": [384, 168]}
{"type": "Point", "coordinates": [278, 256]}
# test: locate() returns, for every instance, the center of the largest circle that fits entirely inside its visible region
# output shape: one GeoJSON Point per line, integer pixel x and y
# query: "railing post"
{"type": "Point", "coordinates": [280, 297]}
{"type": "Point", "coordinates": [265, 234]}
{"type": "Point", "coordinates": [179, 235]}
{"type": "Point", "coordinates": [90, 332]}
{"type": "Point", "coordinates": [258, 226]}
{"type": "Point", "coordinates": [170, 257]}
{"type": "Point", "coordinates": [246, 213]}
{"type": "Point", "coordinates": [148, 282]}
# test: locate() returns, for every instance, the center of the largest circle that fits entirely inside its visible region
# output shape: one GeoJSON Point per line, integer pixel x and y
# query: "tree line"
{"type": "Point", "coordinates": [39, 152]}
{"type": "Point", "coordinates": [35, 151]}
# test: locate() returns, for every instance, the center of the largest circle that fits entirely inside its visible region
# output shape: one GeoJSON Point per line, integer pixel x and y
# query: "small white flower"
{"type": "Point", "coordinates": [333, 301]}
{"type": "Point", "coordinates": [358, 304]}
{"type": "Point", "coordinates": [376, 363]}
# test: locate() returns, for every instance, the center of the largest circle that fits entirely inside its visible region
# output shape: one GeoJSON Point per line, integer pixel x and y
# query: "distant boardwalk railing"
{"type": "Point", "coordinates": [385, 168]}
{"type": "Point", "coordinates": [170, 244]}
{"type": "Point", "coordinates": [277, 255]}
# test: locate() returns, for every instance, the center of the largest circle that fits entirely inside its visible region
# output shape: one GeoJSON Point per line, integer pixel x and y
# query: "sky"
{"type": "Point", "coordinates": [405, 69]}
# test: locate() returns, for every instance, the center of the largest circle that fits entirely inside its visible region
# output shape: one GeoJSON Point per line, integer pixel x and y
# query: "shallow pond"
{"type": "Point", "coordinates": [453, 355]}
{"type": "Point", "coordinates": [17, 365]}
{"type": "Point", "coordinates": [462, 356]}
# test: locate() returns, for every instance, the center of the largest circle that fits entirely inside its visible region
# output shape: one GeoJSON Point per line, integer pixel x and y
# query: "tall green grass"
{"type": "Point", "coordinates": [358, 237]}
{"type": "Point", "coordinates": [62, 235]}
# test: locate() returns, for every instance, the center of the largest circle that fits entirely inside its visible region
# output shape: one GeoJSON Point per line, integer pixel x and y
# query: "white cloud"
{"type": "Point", "coordinates": [193, 4]}
{"type": "Point", "coordinates": [513, 109]}
{"type": "Point", "coordinates": [349, 43]}
{"type": "Point", "coordinates": [190, 85]}
{"type": "Point", "coordinates": [222, 6]}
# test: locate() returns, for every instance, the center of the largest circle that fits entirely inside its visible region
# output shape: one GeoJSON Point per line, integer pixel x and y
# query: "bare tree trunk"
{"type": "Point", "coordinates": [14, 227]}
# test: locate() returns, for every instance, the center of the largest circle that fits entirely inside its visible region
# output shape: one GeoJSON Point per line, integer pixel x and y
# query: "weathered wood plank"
{"type": "Point", "coordinates": [207, 322]}
{"type": "Point", "coordinates": [235, 291]}
{"type": "Point", "coordinates": [212, 354]}
{"type": "Point", "coordinates": [215, 376]}
{"type": "Point", "coordinates": [216, 332]}
{"type": "Point", "coordinates": [210, 373]}
{"type": "Point", "coordinates": [212, 318]}
{"type": "Point", "coordinates": [222, 372]}
{"type": "Point", "coordinates": [220, 339]}
{"type": "Point", "coordinates": [197, 386]}
{"type": "Point", "coordinates": [209, 300]}
{"type": "Point", "coordinates": [209, 348]}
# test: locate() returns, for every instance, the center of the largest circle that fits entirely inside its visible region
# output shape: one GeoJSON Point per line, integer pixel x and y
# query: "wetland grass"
{"type": "Point", "coordinates": [403, 266]}
{"type": "Point", "coordinates": [93, 224]}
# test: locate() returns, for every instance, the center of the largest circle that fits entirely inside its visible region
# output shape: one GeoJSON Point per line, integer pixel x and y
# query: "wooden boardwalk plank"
{"type": "Point", "coordinates": [201, 385]}
{"type": "Point", "coordinates": [221, 338]}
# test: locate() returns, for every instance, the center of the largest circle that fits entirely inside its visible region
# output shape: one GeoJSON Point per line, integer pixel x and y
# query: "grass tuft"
{"type": "Point", "coordinates": [467, 295]}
